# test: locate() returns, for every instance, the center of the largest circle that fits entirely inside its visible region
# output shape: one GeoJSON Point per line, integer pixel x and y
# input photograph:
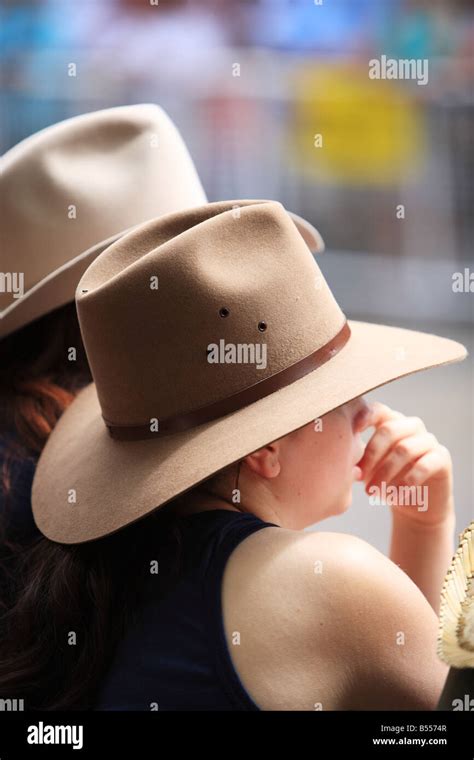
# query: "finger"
{"type": "Point", "coordinates": [402, 454]}
{"type": "Point", "coordinates": [386, 436]}
{"type": "Point", "coordinates": [428, 465]}
{"type": "Point", "coordinates": [363, 418]}
{"type": "Point", "coordinates": [381, 413]}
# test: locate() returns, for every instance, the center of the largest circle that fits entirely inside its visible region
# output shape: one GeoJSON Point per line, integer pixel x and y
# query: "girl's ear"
{"type": "Point", "coordinates": [266, 461]}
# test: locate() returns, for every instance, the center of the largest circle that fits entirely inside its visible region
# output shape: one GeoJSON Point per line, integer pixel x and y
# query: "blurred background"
{"type": "Point", "coordinates": [274, 100]}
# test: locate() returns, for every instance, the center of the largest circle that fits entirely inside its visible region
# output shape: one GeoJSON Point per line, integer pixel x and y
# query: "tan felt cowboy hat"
{"type": "Point", "coordinates": [176, 319]}
{"type": "Point", "coordinates": [70, 190]}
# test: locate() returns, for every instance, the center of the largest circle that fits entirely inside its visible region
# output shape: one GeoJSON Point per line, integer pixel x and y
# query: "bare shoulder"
{"type": "Point", "coordinates": [326, 621]}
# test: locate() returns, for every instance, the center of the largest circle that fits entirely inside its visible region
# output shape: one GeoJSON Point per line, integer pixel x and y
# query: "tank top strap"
{"type": "Point", "coordinates": [231, 529]}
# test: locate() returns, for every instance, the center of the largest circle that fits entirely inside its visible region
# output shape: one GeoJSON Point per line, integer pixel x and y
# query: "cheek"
{"type": "Point", "coordinates": [324, 456]}
{"type": "Point", "coordinates": [338, 444]}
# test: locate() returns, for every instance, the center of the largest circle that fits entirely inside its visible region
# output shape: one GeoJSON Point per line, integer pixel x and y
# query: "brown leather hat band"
{"type": "Point", "coordinates": [181, 422]}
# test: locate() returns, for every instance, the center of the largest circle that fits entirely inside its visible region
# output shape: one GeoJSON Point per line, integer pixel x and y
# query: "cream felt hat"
{"type": "Point", "coordinates": [69, 191]}
{"type": "Point", "coordinates": [210, 333]}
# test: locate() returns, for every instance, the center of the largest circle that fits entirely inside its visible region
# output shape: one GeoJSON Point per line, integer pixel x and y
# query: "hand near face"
{"type": "Point", "coordinates": [401, 453]}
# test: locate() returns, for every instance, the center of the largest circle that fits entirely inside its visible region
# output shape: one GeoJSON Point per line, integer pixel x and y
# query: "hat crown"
{"type": "Point", "coordinates": [199, 305]}
{"type": "Point", "coordinates": [79, 182]}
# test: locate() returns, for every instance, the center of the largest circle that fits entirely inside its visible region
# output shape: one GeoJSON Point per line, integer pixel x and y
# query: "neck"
{"type": "Point", "coordinates": [204, 498]}
{"type": "Point", "coordinates": [201, 500]}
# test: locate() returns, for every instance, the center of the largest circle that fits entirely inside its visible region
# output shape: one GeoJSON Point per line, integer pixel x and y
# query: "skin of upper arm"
{"type": "Point", "coordinates": [328, 622]}
{"type": "Point", "coordinates": [380, 624]}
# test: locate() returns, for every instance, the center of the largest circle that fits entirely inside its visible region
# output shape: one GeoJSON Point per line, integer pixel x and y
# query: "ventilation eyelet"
{"type": "Point", "coordinates": [224, 312]}
{"type": "Point", "coordinates": [262, 326]}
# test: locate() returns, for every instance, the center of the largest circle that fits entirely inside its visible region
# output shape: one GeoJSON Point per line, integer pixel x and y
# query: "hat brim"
{"type": "Point", "coordinates": [88, 485]}
{"type": "Point", "coordinates": [53, 291]}
{"type": "Point", "coordinates": [59, 287]}
{"type": "Point", "coordinates": [311, 236]}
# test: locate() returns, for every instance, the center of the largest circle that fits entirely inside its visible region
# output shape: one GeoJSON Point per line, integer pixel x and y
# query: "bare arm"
{"type": "Point", "coordinates": [403, 456]}
{"type": "Point", "coordinates": [326, 619]}
{"type": "Point", "coordinates": [386, 634]}
{"type": "Point", "coordinates": [424, 553]}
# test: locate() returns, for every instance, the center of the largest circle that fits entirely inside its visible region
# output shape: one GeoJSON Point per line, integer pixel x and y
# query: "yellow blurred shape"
{"type": "Point", "coordinates": [371, 130]}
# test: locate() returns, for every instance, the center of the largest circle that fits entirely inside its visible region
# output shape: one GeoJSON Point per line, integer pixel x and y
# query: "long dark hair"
{"type": "Point", "coordinates": [38, 380]}
{"type": "Point", "coordinates": [63, 609]}
{"type": "Point", "coordinates": [91, 592]}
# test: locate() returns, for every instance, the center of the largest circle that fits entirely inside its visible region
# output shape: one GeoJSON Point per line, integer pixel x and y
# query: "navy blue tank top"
{"type": "Point", "coordinates": [175, 655]}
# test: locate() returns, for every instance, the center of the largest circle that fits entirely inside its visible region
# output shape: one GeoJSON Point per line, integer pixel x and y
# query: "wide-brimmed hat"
{"type": "Point", "coordinates": [68, 191]}
{"type": "Point", "coordinates": [210, 333]}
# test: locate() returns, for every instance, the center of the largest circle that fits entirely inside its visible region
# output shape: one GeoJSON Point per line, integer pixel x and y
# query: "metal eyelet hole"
{"type": "Point", "coordinates": [262, 326]}
{"type": "Point", "coordinates": [224, 312]}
